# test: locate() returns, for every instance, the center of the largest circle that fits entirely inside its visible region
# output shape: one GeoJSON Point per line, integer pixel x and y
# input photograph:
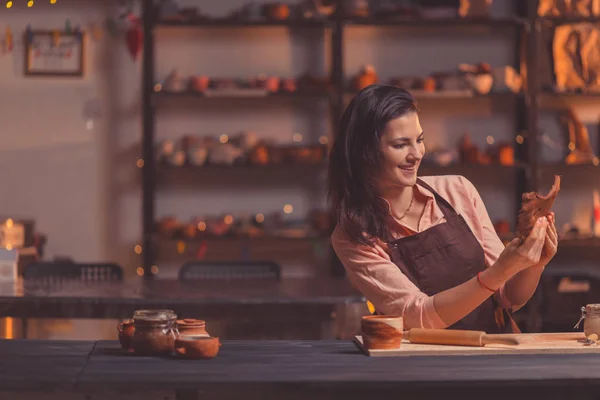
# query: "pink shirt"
{"type": "Point", "coordinates": [372, 272]}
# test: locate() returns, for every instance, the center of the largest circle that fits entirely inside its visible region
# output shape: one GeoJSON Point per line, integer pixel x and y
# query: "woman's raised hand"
{"type": "Point", "coordinates": [518, 256]}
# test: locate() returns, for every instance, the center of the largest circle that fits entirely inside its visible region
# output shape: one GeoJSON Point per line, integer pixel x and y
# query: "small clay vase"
{"type": "Point", "coordinates": [126, 330]}
{"type": "Point", "coordinates": [197, 347]}
{"type": "Point", "coordinates": [192, 327]}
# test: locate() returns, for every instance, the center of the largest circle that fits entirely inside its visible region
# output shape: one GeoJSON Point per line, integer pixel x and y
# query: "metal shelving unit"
{"type": "Point", "coordinates": [526, 107]}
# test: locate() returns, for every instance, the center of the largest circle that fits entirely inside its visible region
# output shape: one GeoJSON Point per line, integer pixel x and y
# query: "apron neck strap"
{"type": "Point", "coordinates": [442, 202]}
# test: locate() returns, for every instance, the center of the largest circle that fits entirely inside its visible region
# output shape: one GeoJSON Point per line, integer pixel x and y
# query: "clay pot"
{"type": "Point", "coordinates": [197, 347]}
{"type": "Point", "coordinates": [272, 84]}
{"type": "Point", "coordinates": [259, 155]}
{"type": "Point", "coordinates": [429, 84]}
{"type": "Point", "coordinates": [382, 331]}
{"type": "Point", "coordinates": [192, 327]}
{"type": "Point", "coordinates": [506, 155]}
{"type": "Point", "coordinates": [200, 83]}
{"type": "Point", "coordinates": [366, 78]}
{"type": "Point", "coordinates": [278, 11]}
{"type": "Point", "coordinates": [481, 83]}
{"type": "Point", "coordinates": [289, 85]}
{"type": "Point", "coordinates": [126, 330]}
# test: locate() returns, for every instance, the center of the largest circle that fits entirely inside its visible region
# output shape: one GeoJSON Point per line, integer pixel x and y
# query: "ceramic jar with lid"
{"type": "Point", "coordinates": [155, 332]}
{"type": "Point", "coordinates": [188, 326]}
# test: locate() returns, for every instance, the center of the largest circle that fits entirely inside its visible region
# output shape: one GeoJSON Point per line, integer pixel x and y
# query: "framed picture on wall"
{"type": "Point", "coordinates": [54, 53]}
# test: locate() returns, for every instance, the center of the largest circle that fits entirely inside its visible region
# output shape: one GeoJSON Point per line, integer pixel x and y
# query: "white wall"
{"type": "Point", "coordinates": [56, 170]}
{"type": "Point", "coordinates": [82, 186]}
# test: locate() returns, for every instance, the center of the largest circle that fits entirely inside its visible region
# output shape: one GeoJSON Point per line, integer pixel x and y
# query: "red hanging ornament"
{"type": "Point", "coordinates": [134, 36]}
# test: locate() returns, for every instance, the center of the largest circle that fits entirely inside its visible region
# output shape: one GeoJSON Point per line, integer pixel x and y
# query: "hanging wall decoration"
{"type": "Point", "coordinates": [8, 40]}
{"type": "Point", "coordinates": [134, 36]}
{"type": "Point", "coordinates": [128, 25]}
{"type": "Point", "coordinates": [51, 53]}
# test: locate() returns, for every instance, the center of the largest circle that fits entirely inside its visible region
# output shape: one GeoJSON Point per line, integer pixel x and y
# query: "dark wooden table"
{"type": "Point", "coordinates": [296, 303]}
{"type": "Point", "coordinates": [285, 370]}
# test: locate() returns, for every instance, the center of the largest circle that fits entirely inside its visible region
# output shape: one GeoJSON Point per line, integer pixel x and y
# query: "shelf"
{"type": "Point", "coordinates": [251, 94]}
{"type": "Point", "coordinates": [435, 22]}
{"type": "Point", "coordinates": [552, 93]}
{"type": "Point", "coordinates": [591, 242]}
{"type": "Point", "coordinates": [466, 169]}
{"type": "Point", "coordinates": [454, 95]}
{"type": "Point", "coordinates": [364, 21]}
{"type": "Point", "coordinates": [249, 176]}
{"type": "Point", "coordinates": [266, 237]}
{"type": "Point", "coordinates": [569, 20]}
{"type": "Point", "coordinates": [242, 167]}
{"type": "Point", "coordinates": [234, 23]}
{"type": "Point", "coordinates": [561, 167]}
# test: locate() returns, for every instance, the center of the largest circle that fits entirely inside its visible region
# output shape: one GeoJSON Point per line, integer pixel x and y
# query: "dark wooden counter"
{"type": "Point", "coordinates": [286, 370]}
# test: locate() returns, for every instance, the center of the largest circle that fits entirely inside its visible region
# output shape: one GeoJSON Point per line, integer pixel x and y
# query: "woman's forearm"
{"type": "Point", "coordinates": [521, 287]}
{"type": "Point", "coordinates": [455, 303]}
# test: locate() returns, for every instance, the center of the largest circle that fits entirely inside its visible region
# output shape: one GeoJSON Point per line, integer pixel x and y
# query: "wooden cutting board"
{"type": "Point", "coordinates": [529, 343]}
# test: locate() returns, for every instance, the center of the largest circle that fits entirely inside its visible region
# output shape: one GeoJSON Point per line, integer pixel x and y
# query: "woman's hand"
{"type": "Point", "coordinates": [517, 257]}
{"type": "Point", "coordinates": [550, 243]}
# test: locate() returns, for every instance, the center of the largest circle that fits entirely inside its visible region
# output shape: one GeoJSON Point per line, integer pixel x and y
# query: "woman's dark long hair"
{"type": "Point", "coordinates": [355, 161]}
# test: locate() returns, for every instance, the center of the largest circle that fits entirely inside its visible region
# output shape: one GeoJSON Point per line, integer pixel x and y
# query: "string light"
{"type": "Point", "coordinates": [52, 1]}
{"type": "Point", "coordinates": [30, 3]}
{"type": "Point", "coordinates": [9, 4]}
{"type": "Point", "coordinates": [288, 209]}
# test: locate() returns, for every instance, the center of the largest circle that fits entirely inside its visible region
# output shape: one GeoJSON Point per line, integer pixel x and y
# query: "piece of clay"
{"type": "Point", "coordinates": [534, 206]}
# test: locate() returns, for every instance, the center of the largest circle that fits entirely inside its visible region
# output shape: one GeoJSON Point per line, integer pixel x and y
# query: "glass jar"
{"type": "Point", "coordinates": [155, 332]}
{"type": "Point", "coordinates": [590, 314]}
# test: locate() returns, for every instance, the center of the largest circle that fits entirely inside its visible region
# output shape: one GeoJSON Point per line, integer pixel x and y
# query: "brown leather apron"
{"type": "Point", "coordinates": [447, 255]}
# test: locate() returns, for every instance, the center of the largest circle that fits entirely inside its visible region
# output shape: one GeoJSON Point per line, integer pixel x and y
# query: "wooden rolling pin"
{"type": "Point", "coordinates": [457, 337]}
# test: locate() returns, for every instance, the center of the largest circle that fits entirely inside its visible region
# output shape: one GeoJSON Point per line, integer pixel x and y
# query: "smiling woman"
{"type": "Point", "coordinates": [422, 247]}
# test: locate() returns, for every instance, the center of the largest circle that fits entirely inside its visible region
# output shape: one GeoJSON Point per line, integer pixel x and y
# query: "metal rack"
{"type": "Point", "coordinates": [526, 104]}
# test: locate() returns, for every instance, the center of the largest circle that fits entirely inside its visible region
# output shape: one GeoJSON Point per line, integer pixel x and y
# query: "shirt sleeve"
{"type": "Point", "coordinates": [371, 271]}
{"type": "Point", "coordinates": [491, 243]}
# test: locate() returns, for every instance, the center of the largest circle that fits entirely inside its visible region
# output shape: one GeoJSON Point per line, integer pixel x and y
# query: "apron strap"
{"type": "Point", "coordinates": [444, 205]}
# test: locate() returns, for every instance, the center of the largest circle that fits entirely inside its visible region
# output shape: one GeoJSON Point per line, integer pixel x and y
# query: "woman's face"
{"type": "Point", "coordinates": [403, 149]}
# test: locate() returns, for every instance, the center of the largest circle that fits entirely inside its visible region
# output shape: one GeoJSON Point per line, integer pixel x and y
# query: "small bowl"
{"type": "Point", "coordinates": [382, 331]}
{"type": "Point", "coordinates": [197, 346]}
